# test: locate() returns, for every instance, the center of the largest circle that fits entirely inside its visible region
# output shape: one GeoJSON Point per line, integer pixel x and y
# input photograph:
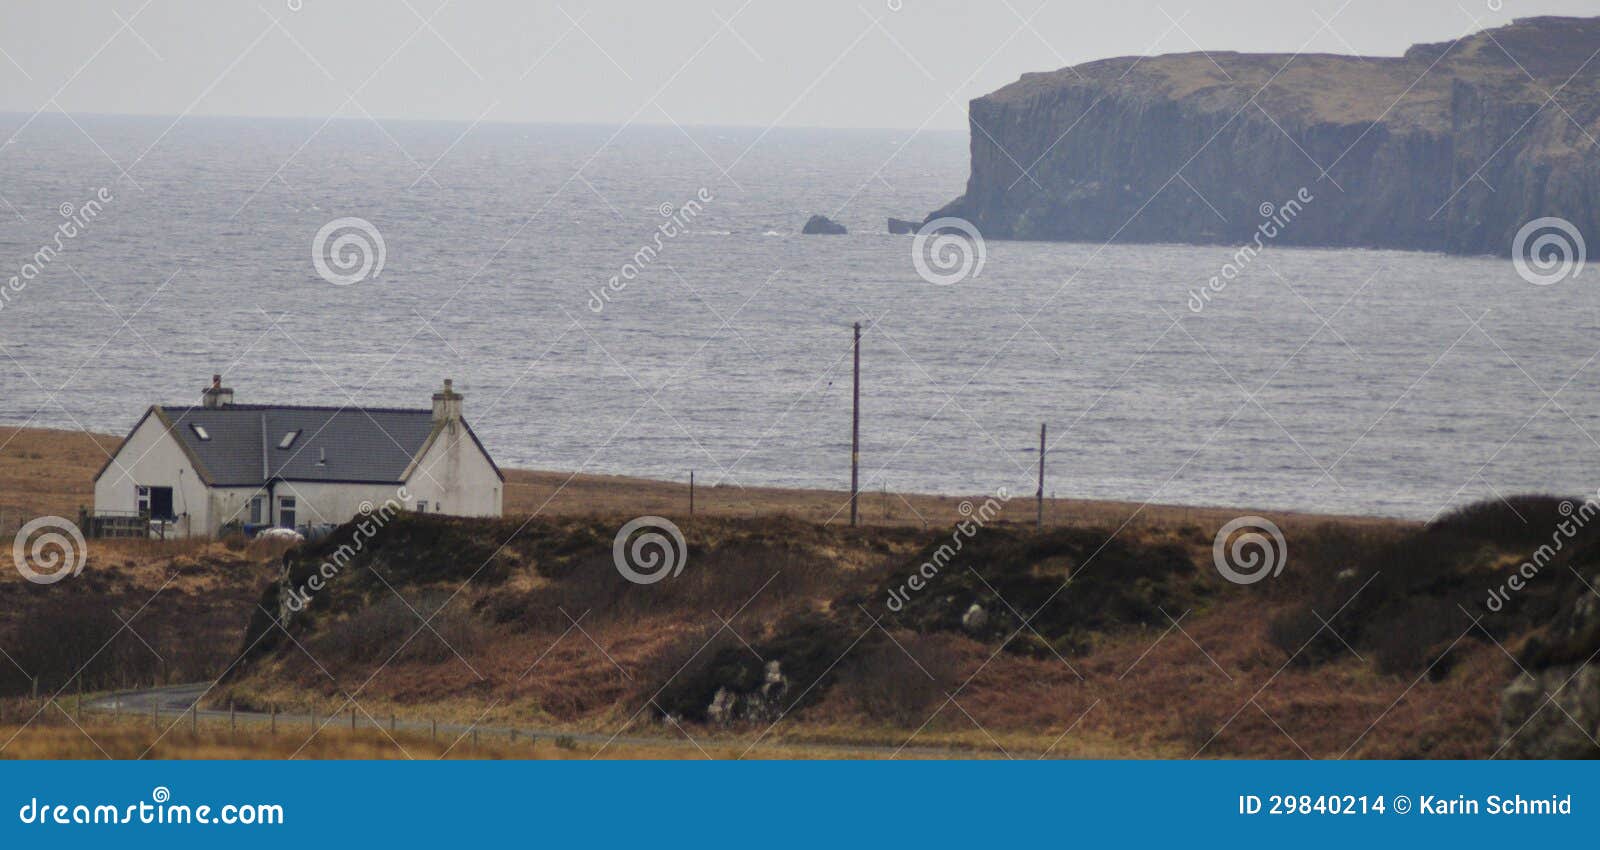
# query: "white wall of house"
{"type": "Point", "coordinates": [317, 501]}
{"type": "Point", "coordinates": [152, 457]}
{"type": "Point", "coordinates": [232, 504]}
{"type": "Point", "coordinates": [455, 477]}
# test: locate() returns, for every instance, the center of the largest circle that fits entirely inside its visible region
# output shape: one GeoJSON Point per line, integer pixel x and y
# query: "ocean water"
{"type": "Point", "coordinates": [1366, 382]}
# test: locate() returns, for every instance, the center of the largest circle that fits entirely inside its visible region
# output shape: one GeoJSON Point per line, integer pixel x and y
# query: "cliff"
{"type": "Point", "coordinates": [1451, 147]}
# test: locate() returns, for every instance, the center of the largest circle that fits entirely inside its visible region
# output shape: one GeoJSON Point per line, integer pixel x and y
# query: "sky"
{"type": "Point", "coordinates": [762, 63]}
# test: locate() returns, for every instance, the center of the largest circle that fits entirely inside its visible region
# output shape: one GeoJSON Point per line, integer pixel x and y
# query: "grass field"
{"type": "Point", "coordinates": [1164, 666]}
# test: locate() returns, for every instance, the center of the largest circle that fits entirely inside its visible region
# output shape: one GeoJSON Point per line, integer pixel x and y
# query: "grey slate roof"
{"type": "Point", "coordinates": [358, 444]}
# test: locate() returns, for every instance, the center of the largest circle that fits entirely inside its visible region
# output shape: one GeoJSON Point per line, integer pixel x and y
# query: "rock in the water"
{"type": "Point", "coordinates": [900, 226]}
{"type": "Point", "coordinates": [821, 225]}
{"type": "Point", "coordinates": [1447, 148]}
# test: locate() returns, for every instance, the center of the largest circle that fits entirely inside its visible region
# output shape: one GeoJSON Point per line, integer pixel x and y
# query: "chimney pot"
{"type": "Point", "coordinates": [217, 396]}
{"type": "Point", "coordinates": [447, 403]}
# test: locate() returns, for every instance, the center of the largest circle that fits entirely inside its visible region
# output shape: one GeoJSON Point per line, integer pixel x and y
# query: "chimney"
{"type": "Point", "coordinates": [447, 404]}
{"type": "Point", "coordinates": [217, 396]}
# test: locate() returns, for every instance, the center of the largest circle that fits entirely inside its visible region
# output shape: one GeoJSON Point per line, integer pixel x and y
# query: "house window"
{"type": "Point", "coordinates": [288, 439]}
{"type": "Point", "coordinates": [155, 502]}
{"type": "Point", "coordinates": [286, 511]}
{"type": "Point", "coordinates": [200, 431]}
{"type": "Point", "coordinates": [422, 506]}
{"type": "Point", "coordinates": [257, 506]}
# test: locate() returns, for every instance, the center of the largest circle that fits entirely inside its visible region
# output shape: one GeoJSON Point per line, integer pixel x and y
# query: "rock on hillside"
{"type": "Point", "coordinates": [1451, 147]}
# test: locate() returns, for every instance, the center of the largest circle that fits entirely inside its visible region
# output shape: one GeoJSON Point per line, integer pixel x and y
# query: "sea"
{"type": "Point", "coordinates": [640, 300]}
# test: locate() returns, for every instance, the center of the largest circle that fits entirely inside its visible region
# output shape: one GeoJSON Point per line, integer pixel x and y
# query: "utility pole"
{"type": "Point", "coordinates": [855, 435]}
{"type": "Point", "coordinates": [1041, 475]}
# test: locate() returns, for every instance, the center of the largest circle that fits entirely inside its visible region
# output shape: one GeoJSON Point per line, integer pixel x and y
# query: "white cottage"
{"type": "Point", "coordinates": [196, 469]}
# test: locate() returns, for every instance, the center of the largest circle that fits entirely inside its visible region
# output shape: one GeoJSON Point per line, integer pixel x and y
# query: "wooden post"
{"type": "Point", "coordinates": [194, 718]}
{"type": "Point", "coordinates": [78, 709]}
{"type": "Point", "coordinates": [513, 736]}
{"type": "Point", "coordinates": [855, 434]}
{"type": "Point", "coordinates": [313, 718]}
{"type": "Point", "coordinates": [272, 721]}
{"type": "Point", "coordinates": [474, 739]}
{"type": "Point", "coordinates": [433, 734]}
{"type": "Point", "coordinates": [233, 725]}
{"type": "Point", "coordinates": [691, 494]}
{"type": "Point", "coordinates": [155, 713]}
{"type": "Point", "coordinates": [35, 687]}
{"type": "Point", "coordinates": [391, 721]}
{"type": "Point", "coordinates": [1041, 474]}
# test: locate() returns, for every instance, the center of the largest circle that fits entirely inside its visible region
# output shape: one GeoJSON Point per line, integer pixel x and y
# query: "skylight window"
{"type": "Point", "coordinates": [288, 439]}
{"type": "Point", "coordinates": [200, 431]}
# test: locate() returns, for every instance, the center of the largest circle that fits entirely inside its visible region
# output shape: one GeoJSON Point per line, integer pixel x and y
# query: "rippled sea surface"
{"type": "Point", "coordinates": [1342, 381]}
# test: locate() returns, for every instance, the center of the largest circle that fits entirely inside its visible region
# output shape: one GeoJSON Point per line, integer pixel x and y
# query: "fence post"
{"type": "Point", "coordinates": [313, 718]}
{"type": "Point", "coordinates": [232, 723]}
{"type": "Point", "coordinates": [272, 713]}
{"type": "Point", "coordinates": [194, 718]}
{"type": "Point", "coordinates": [434, 734]}
{"type": "Point", "coordinates": [78, 709]}
{"type": "Point", "coordinates": [352, 720]}
{"type": "Point", "coordinates": [35, 687]}
{"type": "Point", "coordinates": [513, 736]}
{"type": "Point", "coordinates": [391, 721]}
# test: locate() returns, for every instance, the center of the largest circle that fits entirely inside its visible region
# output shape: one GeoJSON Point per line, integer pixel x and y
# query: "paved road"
{"type": "Point", "coordinates": [175, 701]}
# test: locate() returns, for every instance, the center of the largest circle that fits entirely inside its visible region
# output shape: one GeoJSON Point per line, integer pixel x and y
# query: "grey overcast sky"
{"type": "Point", "coordinates": [827, 63]}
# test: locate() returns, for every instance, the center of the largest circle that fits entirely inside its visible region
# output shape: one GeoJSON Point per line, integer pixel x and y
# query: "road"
{"type": "Point", "coordinates": [175, 701]}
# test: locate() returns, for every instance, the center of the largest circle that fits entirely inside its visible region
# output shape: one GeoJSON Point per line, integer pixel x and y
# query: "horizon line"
{"type": "Point", "coordinates": [32, 116]}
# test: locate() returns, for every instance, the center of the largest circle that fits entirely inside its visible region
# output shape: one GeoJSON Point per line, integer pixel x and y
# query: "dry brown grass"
{"type": "Point", "coordinates": [1148, 692]}
{"type": "Point", "coordinates": [44, 471]}
{"type": "Point", "coordinates": [99, 737]}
